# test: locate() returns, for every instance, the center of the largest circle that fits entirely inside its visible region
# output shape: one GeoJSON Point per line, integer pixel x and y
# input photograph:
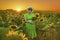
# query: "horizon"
{"type": "Point", "coordinates": [33, 9]}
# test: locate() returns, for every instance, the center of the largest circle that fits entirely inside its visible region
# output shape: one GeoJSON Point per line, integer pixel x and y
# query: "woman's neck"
{"type": "Point", "coordinates": [30, 13]}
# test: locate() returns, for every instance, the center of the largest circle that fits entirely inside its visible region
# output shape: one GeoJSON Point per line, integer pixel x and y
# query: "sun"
{"type": "Point", "coordinates": [18, 9]}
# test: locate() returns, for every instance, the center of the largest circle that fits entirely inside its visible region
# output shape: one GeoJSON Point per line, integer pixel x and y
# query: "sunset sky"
{"type": "Point", "coordinates": [36, 4]}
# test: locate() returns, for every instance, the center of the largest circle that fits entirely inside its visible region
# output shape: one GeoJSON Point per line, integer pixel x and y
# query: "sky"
{"type": "Point", "coordinates": [53, 5]}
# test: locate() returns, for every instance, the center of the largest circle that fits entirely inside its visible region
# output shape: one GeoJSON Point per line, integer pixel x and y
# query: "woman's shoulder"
{"type": "Point", "coordinates": [25, 14]}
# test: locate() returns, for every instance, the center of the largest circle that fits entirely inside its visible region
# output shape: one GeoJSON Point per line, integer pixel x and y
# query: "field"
{"type": "Point", "coordinates": [48, 24]}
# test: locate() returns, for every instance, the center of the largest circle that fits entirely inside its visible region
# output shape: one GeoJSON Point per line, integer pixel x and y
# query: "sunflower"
{"type": "Point", "coordinates": [13, 27]}
{"type": "Point", "coordinates": [23, 36]}
{"type": "Point", "coordinates": [37, 15]}
{"type": "Point", "coordinates": [23, 20]}
{"type": "Point", "coordinates": [42, 19]}
{"type": "Point", "coordinates": [52, 25]}
{"type": "Point", "coordinates": [11, 33]}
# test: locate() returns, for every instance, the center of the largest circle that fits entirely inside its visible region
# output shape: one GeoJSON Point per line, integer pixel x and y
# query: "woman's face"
{"type": "Point", "coordinates": [29, 11]}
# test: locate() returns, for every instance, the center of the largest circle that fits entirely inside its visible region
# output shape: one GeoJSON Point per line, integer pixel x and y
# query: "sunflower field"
{"type": "Point", "coordinates": [47, 24]}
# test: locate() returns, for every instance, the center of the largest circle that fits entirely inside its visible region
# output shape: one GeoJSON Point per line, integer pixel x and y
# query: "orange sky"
{"type": "Point", "coordinates": [36, 4]}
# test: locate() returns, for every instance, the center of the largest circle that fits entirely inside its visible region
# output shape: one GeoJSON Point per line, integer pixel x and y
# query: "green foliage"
{"type": "Point", "coordinates": [42, 23]}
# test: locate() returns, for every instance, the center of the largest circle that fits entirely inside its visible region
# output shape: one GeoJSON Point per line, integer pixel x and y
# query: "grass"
{"type": "Point", "coordinates": [3, 32]}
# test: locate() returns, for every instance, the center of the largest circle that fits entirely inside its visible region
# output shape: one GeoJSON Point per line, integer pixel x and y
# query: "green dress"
{"type": "Point", "coordinates": [30, 28]}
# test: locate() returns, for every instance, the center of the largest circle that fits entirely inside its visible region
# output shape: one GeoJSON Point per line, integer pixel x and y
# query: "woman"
{"type": "Point", "coordinates": [29, 24]}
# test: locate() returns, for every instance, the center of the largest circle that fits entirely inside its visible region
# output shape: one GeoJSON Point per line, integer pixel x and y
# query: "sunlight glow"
{"type": "Point", "coordinates": [18, 9]}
